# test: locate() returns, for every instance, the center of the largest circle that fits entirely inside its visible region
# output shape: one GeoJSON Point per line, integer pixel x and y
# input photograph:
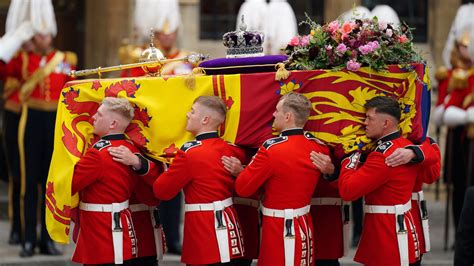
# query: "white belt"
{"type": "Point", "coordinates": [418, 196]}
{"type": "Point", "coordinates": [288, 228]}
{"type": "Point", "coordinates": [220, 224]}
{"type": "Point", "coordinates": [214, 206]}
{"type": "Point", "coordinates": [93, 207]}
{"type": "Point", "coordinates": [286, 212]}
{"type": "Point", "coordinates": [117, 229]}
{"type": "Point", "coordinates": [388, 209]}
{"type": "Point", "coordinates": [402, 236]}
{"type": "Point", "coordinates": [246, 202]}
{"type": "Point", "coordinates": [329, 201]}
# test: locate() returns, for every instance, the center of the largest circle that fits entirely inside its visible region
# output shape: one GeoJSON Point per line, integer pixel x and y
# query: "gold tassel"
{"type": "Point", "coordinates": [281, 73]}
{"type": "Point", "coordinates": [190, 79]}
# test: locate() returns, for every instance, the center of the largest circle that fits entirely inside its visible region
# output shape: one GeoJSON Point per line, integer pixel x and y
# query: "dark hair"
{"type": "Point", "coordinates": [299, 105]}
{"type": "Point", "coordinates": [384, 105]}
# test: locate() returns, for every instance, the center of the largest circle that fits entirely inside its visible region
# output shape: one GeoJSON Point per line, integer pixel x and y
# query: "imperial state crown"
{"type": "Point", "coordinates": [243, 43]}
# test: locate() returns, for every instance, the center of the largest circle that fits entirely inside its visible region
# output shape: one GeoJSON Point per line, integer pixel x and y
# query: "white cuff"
{"type": "Point", "coordinates": [454, 116]}
{"type": "Point", "coordinates": [438, 115]}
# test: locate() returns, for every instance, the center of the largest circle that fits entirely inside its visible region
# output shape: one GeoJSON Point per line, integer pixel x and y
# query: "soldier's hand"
{"type": "Point", "coordinates": [232, 164]}
{"type": "Point", "coordinates": [322, 162]}
{"type": "Point", "coordinates": [399, 157]}
{"type": "Point", "coordinates": [124, 156]}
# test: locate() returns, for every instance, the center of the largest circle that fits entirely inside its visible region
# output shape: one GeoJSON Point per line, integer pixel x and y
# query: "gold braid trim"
{"type": "Point", "coordinates": [39, 75]}
{"type": "Point", "coordinates": [459, 79]}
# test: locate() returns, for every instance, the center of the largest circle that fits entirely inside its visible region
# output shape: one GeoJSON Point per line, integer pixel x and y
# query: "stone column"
{"type": "Point", "coordinates": [107, 23]}
{"type": "Point", "coordinates": [440, 17]}
{"type": "Point", "coordinates": [334, 8]}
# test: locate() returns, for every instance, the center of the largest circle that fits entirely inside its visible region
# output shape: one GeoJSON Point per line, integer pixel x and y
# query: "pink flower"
{"type": "Point", "coordinates": [389, 33]}
{"type": "Point", "coordinates": [369, 47]}
{"type": "Point", "coordinates": [365, 49]}
{"type": "Point", "coordinates": [328, 47]}
{"type": "Point", "coordinates": [304, 40]}
{"type": "Point", "coordinates": [341, 49]}
{"type": "Point", "coordinates": [295, 41]}
{"type": "Point", "coordinates": [334, 26]}
{"type": "Point", "coordinates": [347, 28]}
{"type": "Point", "coordinates": [374, 45]}
{"type": "Point", "coordinates": [352, 65]}
{"type": "Point", "coordinates": [382, 25]}
{"type": "Point", "coordinates": [403, 38]}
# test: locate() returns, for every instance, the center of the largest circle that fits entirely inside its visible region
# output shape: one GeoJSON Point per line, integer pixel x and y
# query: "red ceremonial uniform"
{"type": "Point", "coordinates": [101, 180]}
{"type": "Point", "coordinates": [197, 169]}
{"type": "Point", "coordinates": [384, 186]}
{"type": "Point", "coordinates": [428, 173]}
{"type": "Point", "coordinates": [443, 87]}
{"type": "Point", "coordinates": [326, 211]}
{"type": "Point", "coordinates": [42, 78]}
{"type": "Point", "coordinates": [248, 212]}
{"type": "Point", "coordinates": [282, 168]}
{"type": "Point", "coordinates": [142, 204]}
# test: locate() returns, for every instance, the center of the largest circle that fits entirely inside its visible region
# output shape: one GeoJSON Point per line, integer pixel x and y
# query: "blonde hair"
{"type": "Point", "coordinates": [299, 105]}
{"type": "Point", "coordinates": [120, 106]}
{"type": "Point", "coordinates": [214, 103]}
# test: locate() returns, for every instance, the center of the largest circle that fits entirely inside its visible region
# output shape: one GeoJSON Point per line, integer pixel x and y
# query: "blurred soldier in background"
{"type": "Point", "coordinates": [163, 18]}
{"type": "Point", "coordinates": [455, 86]}
{"type": "Point", "coordinates": [15, 45]}
{"type": "Point", "coordinates": [281, 26]}
{"type": "Point", "coordinates": [42, 73]}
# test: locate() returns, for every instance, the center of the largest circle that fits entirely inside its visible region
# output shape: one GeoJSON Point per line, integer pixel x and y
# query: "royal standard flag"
{"type": "Point", "coordinates": [161, 104]}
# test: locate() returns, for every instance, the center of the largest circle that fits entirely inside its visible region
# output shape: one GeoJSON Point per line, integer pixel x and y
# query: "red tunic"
{"type": "Point", "coordinates": [198, 170]}
{"type": "Point", "coordinates": [101, 180]}
{"type": "Point", "coordinates": [443, 88]}
{"type": "Point", "coordinates": [428, 173]}
{"type": "Point", "coordinates": [381, 185]}
{"type": "Point", "coordinates": [45, 95]}
{"type": "Point", "coordinates": [327, 223]}
{"type": "Point", "coordinates": [142, 221]}
{"type": "Point", "coordinates": [282, 168]}
{"type": "Point", "coordinates": [12, 81]}
{"type": "Point", "coordinates": [457, 95]}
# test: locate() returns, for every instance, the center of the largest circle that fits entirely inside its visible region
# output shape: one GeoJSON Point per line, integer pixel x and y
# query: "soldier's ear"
{"type": "Point", "coordinates": [205, 120]}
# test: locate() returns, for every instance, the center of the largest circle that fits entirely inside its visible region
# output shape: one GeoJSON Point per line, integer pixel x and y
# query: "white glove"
{"type": "Point", "coordinates": [438, 115]}
{"type": "Point", "coordinates": [470, 115]}
{"type": "Point", "coordinates": [454, 116]}
{"type": "Point", "coordinates": [10, 43]}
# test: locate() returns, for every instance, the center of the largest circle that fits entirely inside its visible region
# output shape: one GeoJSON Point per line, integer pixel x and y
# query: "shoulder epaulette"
{"type": "Point", "coordinates": [382, 148]}
{"type": "Point", "coordinates": [459, 79]}
{"type": "Point", "coordinates": [441, 73]}
{"type": "Point", "coordinates": [99, 145]}
{"type": "Point", "coordinates": [270, 142]}
{"type": "Point", "coordinates": [312, 137]}
{"type": "Point", "coordinates": [70, 57]}
{"type": "Point", "coordinates": [190, 144]}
